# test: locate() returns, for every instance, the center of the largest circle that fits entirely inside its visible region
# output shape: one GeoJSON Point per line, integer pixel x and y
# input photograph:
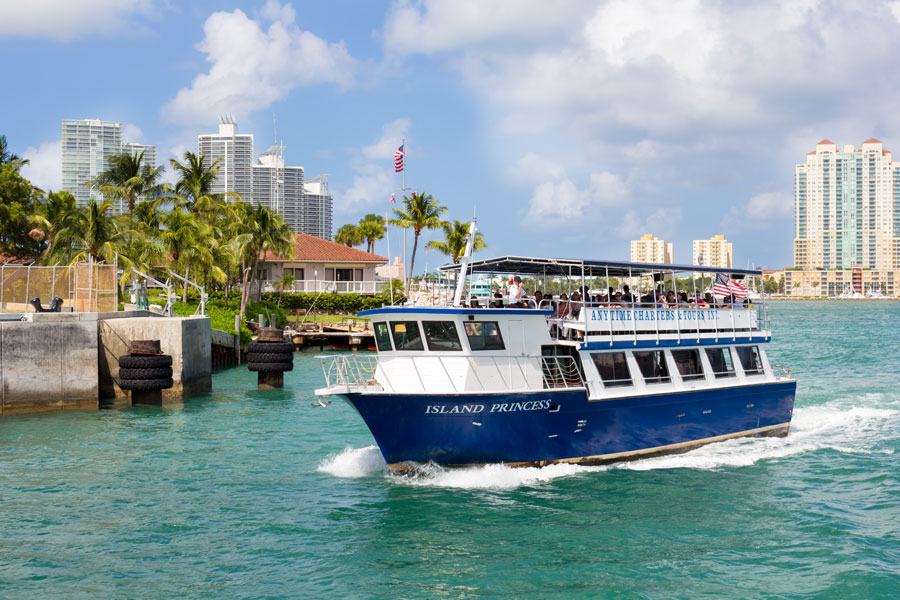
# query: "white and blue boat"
{"type": "Point", "coordinates": [587, 382]}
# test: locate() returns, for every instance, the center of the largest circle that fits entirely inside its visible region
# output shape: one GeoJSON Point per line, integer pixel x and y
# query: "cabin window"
{"type": "Point", "coordinates": [441, 335]}
{"type": "Point", "coordinates": [720, 362]}
{"type": "Point", "coordinates": [613, 368]}
{"type": "Point", "coordinates": [688, 364]}
{"type": "Point", "coordinates": [406, 335]}
{"type": "Point", "coordinates": [750, 361]}
{"type": "Point", "coordinates": [653, 366]}
{"type": "Point", "coordinates": [382, 337]}
{"type": "Point", "coordinates": [484, 335]}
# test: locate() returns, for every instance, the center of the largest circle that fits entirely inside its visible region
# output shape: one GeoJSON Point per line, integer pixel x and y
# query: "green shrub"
{"type": "Point", "coordinates": [330, 303]}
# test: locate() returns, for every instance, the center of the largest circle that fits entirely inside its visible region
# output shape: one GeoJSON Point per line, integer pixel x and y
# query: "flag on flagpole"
{"type": "Point", "coordinates": [392, 198]}
{"type": "Point", "coordinates": [398, 159]}
{"type": "Point", "coordinates": [725, 286]}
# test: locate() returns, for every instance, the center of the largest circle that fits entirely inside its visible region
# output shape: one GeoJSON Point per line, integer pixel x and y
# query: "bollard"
{"type": "Point", "coordinates": [270, 356]}
{"type": "Point", "coordinates": [146, 371]}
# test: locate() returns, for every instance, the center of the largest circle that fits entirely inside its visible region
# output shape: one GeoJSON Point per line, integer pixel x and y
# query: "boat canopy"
{"type": "Point", "coordinates": [589, 268]}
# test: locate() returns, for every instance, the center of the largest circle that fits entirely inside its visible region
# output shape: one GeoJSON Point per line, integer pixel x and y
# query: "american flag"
{"type": "Point", "coordinates": [398, 159]}
{"type": "Point", "coordinates": [725, 286]}
{"type": "Point", "coordinates": [392, 198]}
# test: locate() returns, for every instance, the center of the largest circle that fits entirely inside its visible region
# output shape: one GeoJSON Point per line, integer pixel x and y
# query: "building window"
{"type": "Point", "coordinates": [613, 368]}
{"type": "Point", "coordinates": [653, 366]}
{"type": "Point", "coordinates": [406, 335]}
{"type": "Point", "coordinates": [688, 364]}
{"type": "Point", "coordinates": [750, 361]}
{"type": "Point", "coordinates": [441, 335]}
{"type": "Point", "coordinates": [343, 274]}
{"type": "Point", "coordinates": [484, 335]}
{"type": "Point", "coordinates": [357, 274]}
{"type": "Point", "coordinates": [382, 337]}
{"type": "Point", "coordinates": [720, 362]}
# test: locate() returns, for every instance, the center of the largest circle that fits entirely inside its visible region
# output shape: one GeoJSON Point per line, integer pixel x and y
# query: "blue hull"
{"type": "Point", "coordinates": [550, 426]}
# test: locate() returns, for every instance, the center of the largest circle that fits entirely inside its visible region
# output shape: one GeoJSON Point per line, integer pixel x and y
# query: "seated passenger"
{"type": "Point", "coordinates": [474, 302]}
{"type": "Point", "coordinates": [538, 298]}
{"type": "Point", "coordinates": [563, 308]}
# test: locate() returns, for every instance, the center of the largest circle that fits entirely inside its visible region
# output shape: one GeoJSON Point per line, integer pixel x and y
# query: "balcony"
{"type": "Point", "coordinates": [315, 286]}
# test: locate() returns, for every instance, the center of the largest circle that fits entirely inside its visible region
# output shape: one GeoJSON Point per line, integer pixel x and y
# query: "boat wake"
{"type": "Point", "coordinates": [837, 425]}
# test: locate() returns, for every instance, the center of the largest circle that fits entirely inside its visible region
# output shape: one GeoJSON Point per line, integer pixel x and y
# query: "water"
{"type": "Point", "coordinates": [247, 494]}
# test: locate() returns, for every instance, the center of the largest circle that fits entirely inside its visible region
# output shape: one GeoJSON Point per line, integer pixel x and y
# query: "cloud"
{"type": "Point", "coordinates": [252, 67]}
{"type": "Point", "coordinates": [131, 133]}
{"type": "Point", "coordinates": [761, 210]}
{"type": "Point", "coordinates": [64, 20]}
{"type": "Point", "coordinates": [561, 203]}
{"type": "Point", "coordinates": [373, 172]}
{"type": "Point", "coordinates": [662, 222]}
{"type": "Point", "coordinates": [385, 147]}
{"type": "Point", "coordinates": [45, 166]}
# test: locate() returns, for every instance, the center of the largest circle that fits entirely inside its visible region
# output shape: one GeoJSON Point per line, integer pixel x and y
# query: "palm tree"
{"type": "Point", "coordinates": [285, 281]}
{"type": "Point", "coordinates": [259, 231]}
{"type": "Point", "coordinates": [127, 178]}
{"type": "Point", "coordinates": [371, 229]}
{"type": "Point", "coordinates": [189, 242]}
{"type": "Point", "coordinates": [195, 180]}
{"type": "Point", "coordinates": [349, 235]}
{"type": "Point", "coordinates": [91, 232]}
{"type": "Point", "coordinates": [52, 215]}
{"type": "Point", "coordinates": [455, 236]}
{"type": "Point", "coordinates": [8, 157]}
{"type": "Point", "coordinates": [420, 212]}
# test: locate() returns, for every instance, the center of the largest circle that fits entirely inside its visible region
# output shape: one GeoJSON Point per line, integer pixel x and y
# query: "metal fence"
{"type": "Point", "coordinates": [83, 287]}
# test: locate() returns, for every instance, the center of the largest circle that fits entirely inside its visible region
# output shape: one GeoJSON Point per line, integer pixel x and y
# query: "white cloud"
{"type": "Point", "coordinates": [252, 67]}
{"type": "Point", "coordinates": [560, 203]}
{"type": "Point", "coordinates": [45, 167]}
{"type": "Point", "coordinates": [662, 222]}
{"type": "Point", "coordinates": [373, 172]}
{"type": "Point", "coordinates": [761, 210]}
{"type": "Point", "coordinates": [132, 133]}
{"type": "Point", "coordinates": [64, 20]}
{"type": "Point", "coordinates": [384, 148]}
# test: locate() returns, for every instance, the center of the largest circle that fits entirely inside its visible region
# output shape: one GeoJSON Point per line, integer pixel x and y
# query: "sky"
{"type": "Point", "coordinates": [569, 128]}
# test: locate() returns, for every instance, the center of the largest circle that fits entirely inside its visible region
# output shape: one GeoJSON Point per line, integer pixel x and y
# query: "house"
{"type": "Point", "coordinates": [322, 266]}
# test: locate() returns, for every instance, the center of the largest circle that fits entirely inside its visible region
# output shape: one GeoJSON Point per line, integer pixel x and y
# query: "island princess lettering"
{"type": "Point", "coordinates": [444, 409]}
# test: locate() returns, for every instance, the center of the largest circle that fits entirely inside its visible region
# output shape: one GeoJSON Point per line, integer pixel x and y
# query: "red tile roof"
{"type": "Point", "coordinates": [871, 141]}
{"type": "Point", "coordinates": [810, 153]}
{"type": "Point", "coordinates": [17, 261]}
{"type": "Point", "coordinates": [311, 248]}
{"type": "Point", "coordinates": [825, 141]}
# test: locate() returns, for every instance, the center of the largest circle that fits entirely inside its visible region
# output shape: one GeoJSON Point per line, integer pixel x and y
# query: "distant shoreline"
{"type": "Point", "coordinates": [788, 299]}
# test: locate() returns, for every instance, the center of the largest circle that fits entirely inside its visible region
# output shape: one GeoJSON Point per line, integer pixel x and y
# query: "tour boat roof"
{"type": "Point", "coordinates": [566, 266]}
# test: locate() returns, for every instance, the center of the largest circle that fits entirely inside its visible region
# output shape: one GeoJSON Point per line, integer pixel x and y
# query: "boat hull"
{"type": "Point", "coordinates": [550, 426]}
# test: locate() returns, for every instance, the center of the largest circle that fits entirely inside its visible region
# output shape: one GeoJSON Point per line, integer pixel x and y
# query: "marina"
{"type": "Point", "coordinates": [240, 493]}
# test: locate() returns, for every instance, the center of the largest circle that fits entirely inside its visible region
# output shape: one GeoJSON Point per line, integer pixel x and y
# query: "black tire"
{"type": "Point", "coordinates": [145, 362]}
{"type": "Point", "coordinates": [270, 367]}
{"type": "Point", "coordinates": [270, 347]}
{"type": "Point", "coordinates": [158, 373]}
{"type": "Point", "coordinates": [146, 384]}
{"type": "Point", "coordinates": [270, 357]}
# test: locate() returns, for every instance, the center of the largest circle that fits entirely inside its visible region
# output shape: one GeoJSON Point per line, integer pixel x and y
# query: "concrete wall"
{"type": "Point", "coordinates": [187, 340]}
{"type": "Point", "coordinates": [48, 365]}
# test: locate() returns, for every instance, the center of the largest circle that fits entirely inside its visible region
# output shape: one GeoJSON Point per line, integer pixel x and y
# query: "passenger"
{"type": "Point", "coordinates": [710, 301]}
{"type": "Point", "coordinates": [670, 299]}
{"type": "Point", "coordinates": [538, 298]}
{"type": "Point", "coordinates": [516, 293]}
{"type": "Point", "coordinates": [626, 295]}
{"type": "Point", "coordinates": [473, 303]}
{"type": "Point", "coordinates": [701, 303]}
{"type": "Point", "coordinates": [684, 299]}
{"type": "Point", "coordinates": [563, 308]}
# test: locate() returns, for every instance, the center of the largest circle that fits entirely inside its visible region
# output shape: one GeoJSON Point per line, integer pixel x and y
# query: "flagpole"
{"type": "Point", "coordinates": [403, 191]}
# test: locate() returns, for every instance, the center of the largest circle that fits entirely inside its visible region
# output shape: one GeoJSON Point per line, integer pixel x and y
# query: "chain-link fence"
{"type": "Point", "coordinates": [83, 287]}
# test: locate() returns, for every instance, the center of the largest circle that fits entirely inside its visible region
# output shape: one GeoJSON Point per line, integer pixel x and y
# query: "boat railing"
{"type": "Point", "coordinates": [619, 320]}
{"type": "Point", "coordinates": [458, 373]}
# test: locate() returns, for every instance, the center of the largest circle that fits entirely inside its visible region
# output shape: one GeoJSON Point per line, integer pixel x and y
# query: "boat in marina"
{"type": "Point", "coordinates": [588, 381]}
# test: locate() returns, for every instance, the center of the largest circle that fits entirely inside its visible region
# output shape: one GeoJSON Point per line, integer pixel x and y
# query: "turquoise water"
{"type": "Point", "coordinates": [247, 494]}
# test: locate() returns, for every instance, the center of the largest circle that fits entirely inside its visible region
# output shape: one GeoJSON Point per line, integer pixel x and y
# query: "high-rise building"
{"type": "Point", "coordinates": [714, 252]}
{"type": "Point", "coordinates": [650, 249]}
{"type": "Point", "coordinates": [305, 206]}
{"type": "Point", "coordinates": [847, 208]}
{"type": "Point", "coordinates": [315, 210]}
{"type": "Point", "coordinates": [136, 149]}
{"type": "Point", "coordinates": [87, 145]}
{"type": "Point", "coordinates": [235, 153]}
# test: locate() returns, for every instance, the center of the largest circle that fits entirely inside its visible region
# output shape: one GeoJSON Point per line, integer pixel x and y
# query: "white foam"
{"type": "Point", "coordinates": [353, 462]}
{"type": "Point", "coordinates": [490, 476]}
{"type": "Point", "coordinates": [835, 426]}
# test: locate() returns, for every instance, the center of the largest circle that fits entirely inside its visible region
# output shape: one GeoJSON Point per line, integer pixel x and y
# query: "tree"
{"type": "Point", "coordinates": [456, 235]}
{"type": "Point", "coordinates": [127, 178]}
{"type": "Point", "coordinates": [371, 229]}
{"type": "Point", "coordinates": [284, 282]}
{"type": "Point", "coordinates": [348, 235]}
{"type": "Point", "coordinates": [51, 215]}
{"type": "Point", "coordinates": [18, 201]}
{"type": "Point", "coordinates": [195, 180]}
{"type": "Point", "coordinates": [258, 231]}
{"type": "Point", "coordinates": [188, 241]}
{"type": "Point", "coordinates": [91, 231]}
{"type": "Point", "coordinates": [7, 157]}
{"type": "Point", "coordinates": [420, 211]}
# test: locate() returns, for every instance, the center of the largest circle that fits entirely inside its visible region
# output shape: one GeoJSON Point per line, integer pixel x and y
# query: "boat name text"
{"type": "Point", "coordinates": [474, 409]}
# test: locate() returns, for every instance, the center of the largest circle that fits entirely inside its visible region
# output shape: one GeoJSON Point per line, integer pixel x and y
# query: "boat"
{"type": "Point", "coordinates": [570, 382]}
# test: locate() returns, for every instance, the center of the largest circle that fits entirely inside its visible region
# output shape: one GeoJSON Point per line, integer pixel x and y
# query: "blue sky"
{"type": "Point", "coordinates": [571, 129]}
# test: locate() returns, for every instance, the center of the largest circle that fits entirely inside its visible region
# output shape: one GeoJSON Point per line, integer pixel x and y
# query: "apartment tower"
{"type": "Point", "coordinates": [714, 252]}
{"type": "Point", "coordinates": [650, 249]}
